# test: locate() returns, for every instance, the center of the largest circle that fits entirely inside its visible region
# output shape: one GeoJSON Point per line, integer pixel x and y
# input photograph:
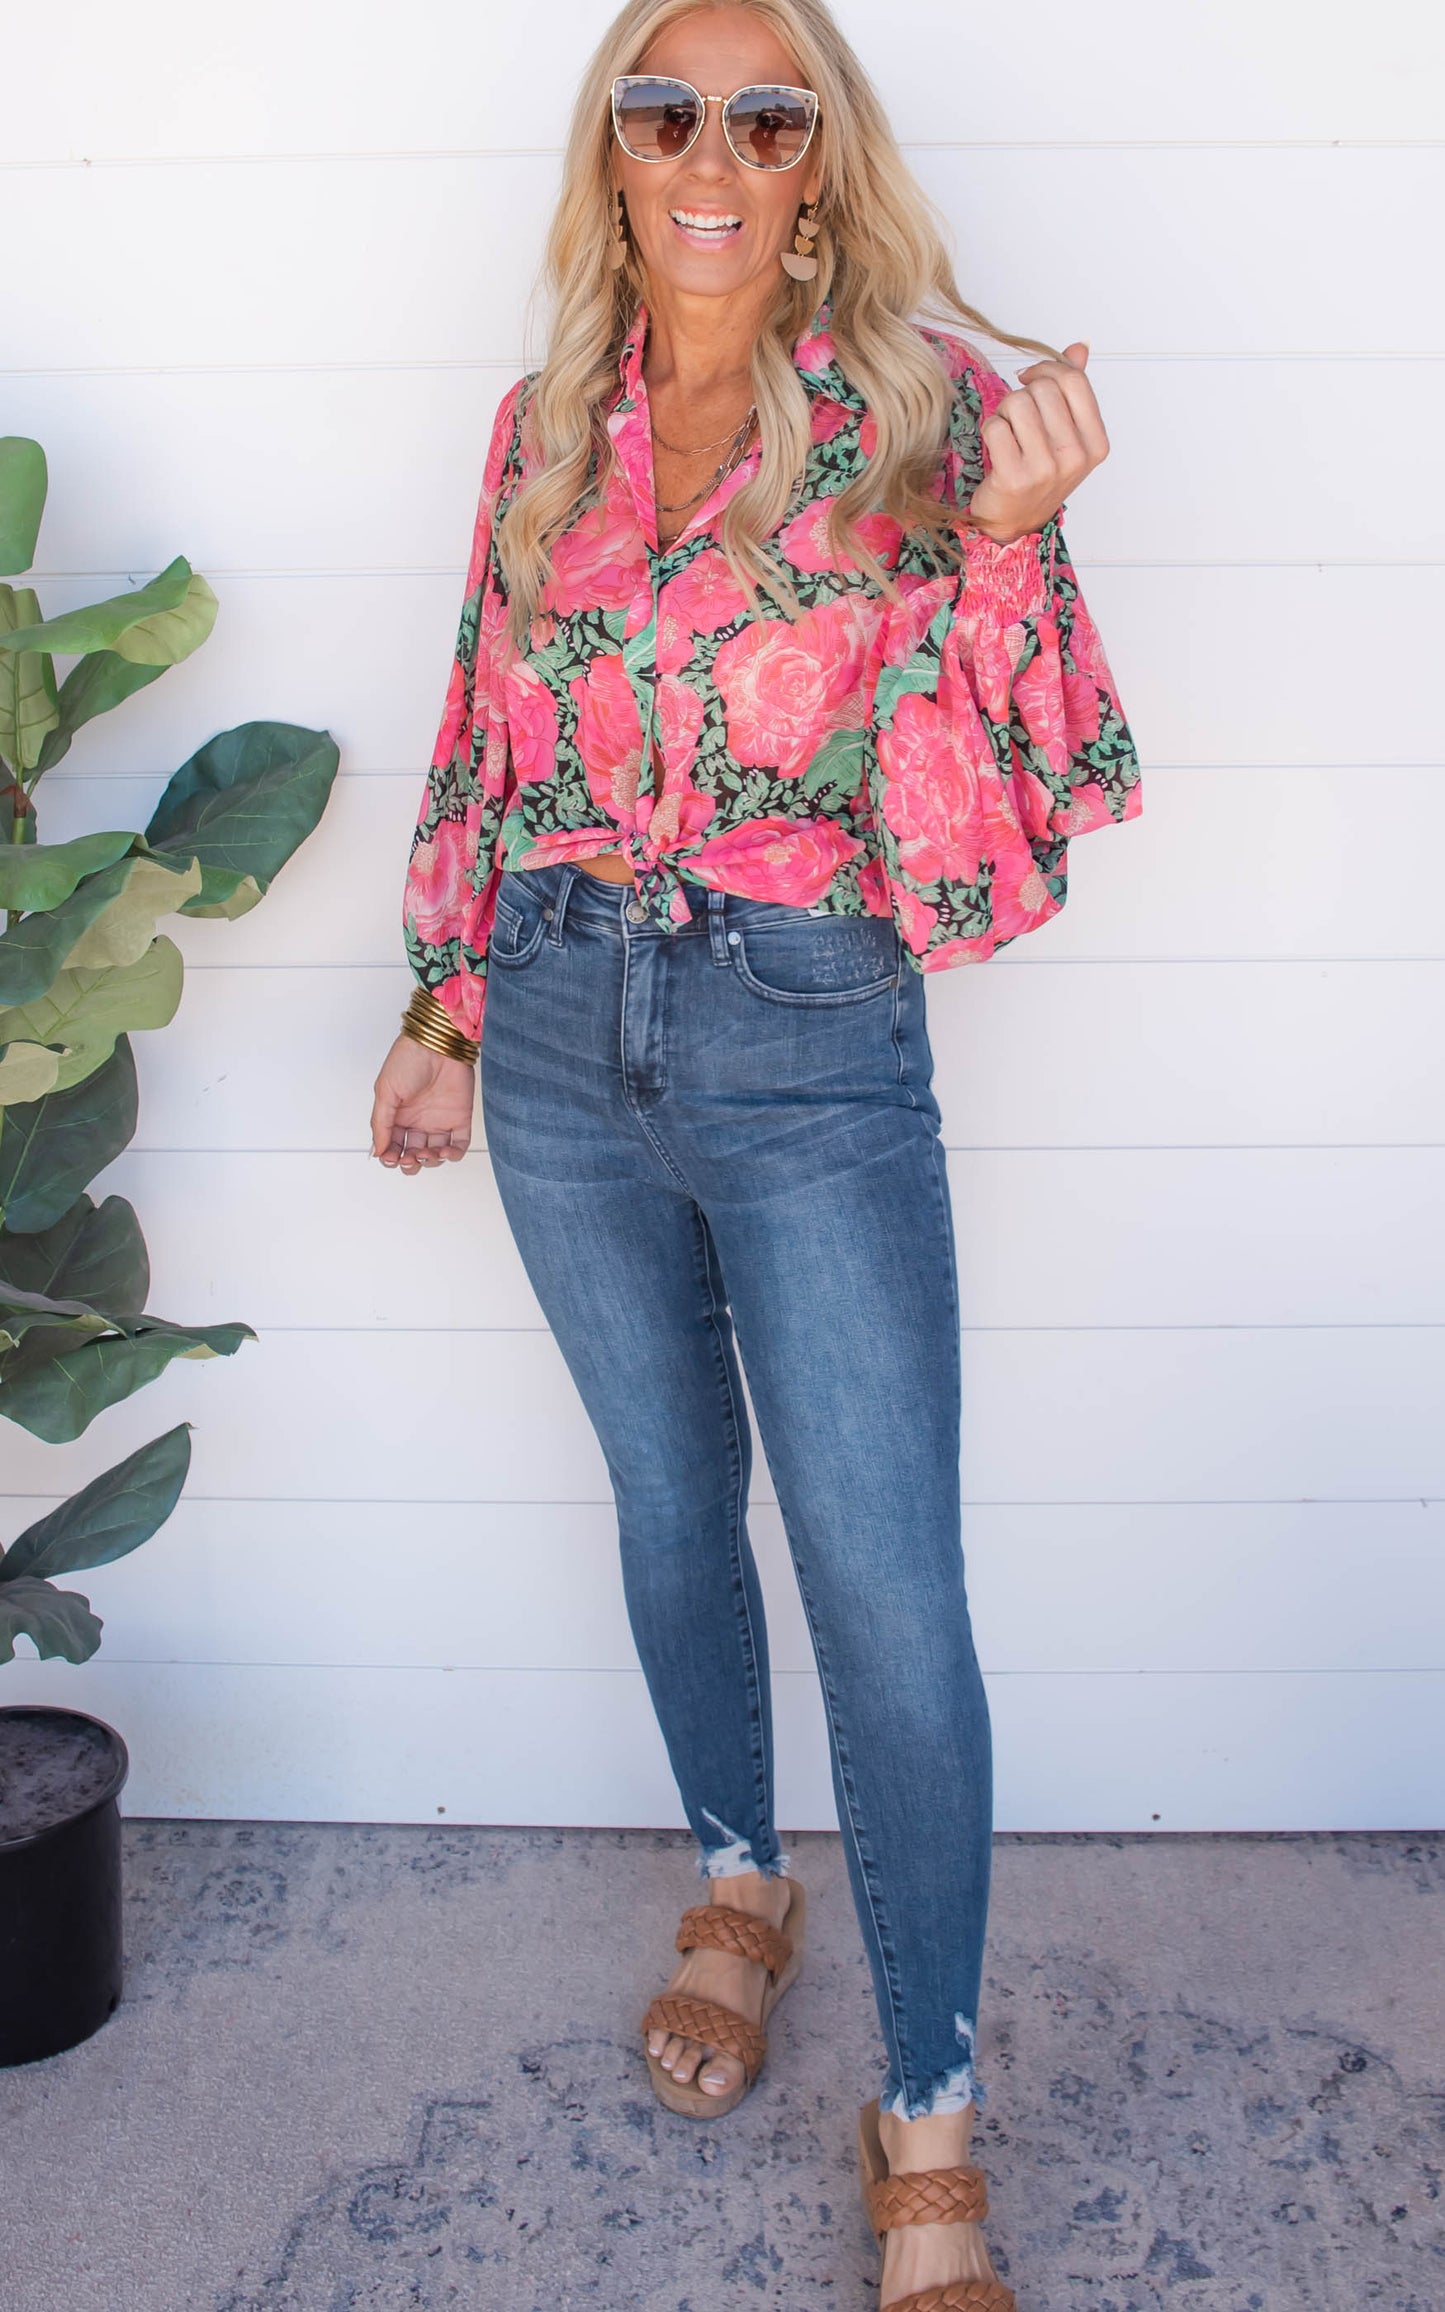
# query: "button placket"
{"type": "Point", "coordinates": [642, 667]}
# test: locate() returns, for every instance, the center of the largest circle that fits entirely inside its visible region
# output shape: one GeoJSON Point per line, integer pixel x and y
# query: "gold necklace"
{"type": "Point", "coordinates": [697, 453]}
{"type": "Point", "coordinates": [734, 458]}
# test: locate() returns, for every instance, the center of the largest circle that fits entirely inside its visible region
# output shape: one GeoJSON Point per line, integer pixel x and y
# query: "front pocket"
{"type": "Point", "coordinates": [516, 932]}
{"type": "Point", "coordinates": [818, 959]}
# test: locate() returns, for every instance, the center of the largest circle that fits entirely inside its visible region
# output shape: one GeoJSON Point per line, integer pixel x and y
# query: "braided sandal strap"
{"type": "Point", "coordinates": [951, 2195]}
{"type": "Point", "coordinates": [712, 2025]}
{"type": "Point", "coordinates": [724, 1929]}
{"type": "Point", "coordinates": [958, 2296]}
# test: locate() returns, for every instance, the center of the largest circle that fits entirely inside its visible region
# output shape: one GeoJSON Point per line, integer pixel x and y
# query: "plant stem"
{"type": "Point", "coordinates": [14, 785]}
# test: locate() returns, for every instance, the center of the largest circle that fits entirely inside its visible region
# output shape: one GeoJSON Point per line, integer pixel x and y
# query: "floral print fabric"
{"type": "Point", "coordinates": [927, 758]}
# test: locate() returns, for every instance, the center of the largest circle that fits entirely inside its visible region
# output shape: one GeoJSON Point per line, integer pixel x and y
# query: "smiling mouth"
{"type": "Point", "coordinates": [705, 228]}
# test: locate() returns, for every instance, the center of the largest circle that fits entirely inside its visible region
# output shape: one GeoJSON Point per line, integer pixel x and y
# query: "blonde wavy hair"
{"type": "Point", "coordinates": [882, 259]}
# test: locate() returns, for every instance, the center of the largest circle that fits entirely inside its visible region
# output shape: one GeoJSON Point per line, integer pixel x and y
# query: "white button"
{"type": "Point", "coordinates": [734, 938]}
{"type": "Point", "coordinates": [636, 912]}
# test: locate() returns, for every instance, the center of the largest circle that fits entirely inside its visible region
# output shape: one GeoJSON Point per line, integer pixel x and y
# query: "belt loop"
{"type": "Point", "coordinates": [570, 873]}
{"type": "Point", "coordinates": [717, 925]}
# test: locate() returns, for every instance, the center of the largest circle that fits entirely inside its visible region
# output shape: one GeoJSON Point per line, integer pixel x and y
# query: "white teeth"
{"type": "Point", "coordinates": [700, 224]}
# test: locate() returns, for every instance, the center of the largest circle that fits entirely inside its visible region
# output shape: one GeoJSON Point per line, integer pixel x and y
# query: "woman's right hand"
{"type": "Point", "coordinates": [422, 1113]}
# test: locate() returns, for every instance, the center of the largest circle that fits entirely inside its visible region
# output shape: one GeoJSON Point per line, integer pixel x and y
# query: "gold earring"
{"type": "Point", "coordinates": [800, 260]}
{"type": "Point", "coordinates": [617, 246]}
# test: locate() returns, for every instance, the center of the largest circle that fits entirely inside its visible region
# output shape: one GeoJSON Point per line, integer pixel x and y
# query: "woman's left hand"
{"type": "Point", "coordinates": [1042, 439]}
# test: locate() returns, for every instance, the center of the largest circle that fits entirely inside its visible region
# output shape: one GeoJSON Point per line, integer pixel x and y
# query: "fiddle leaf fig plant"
{"type": "Point", "coordinates": [82, 966]}
{"type": "Point", "coordinates": [107, 1519]}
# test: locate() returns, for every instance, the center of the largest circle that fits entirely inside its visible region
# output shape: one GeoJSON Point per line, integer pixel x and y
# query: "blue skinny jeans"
{"type": "Point", "coordinates": [730, 1130]}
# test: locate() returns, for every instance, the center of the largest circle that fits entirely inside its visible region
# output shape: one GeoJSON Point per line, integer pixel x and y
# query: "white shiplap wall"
{"type": "Point", "coordinates": [266, 278]}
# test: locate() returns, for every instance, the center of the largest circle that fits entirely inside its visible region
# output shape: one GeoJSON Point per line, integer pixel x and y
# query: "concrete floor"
{"type": "Point", "coordinates": [360, 2069]}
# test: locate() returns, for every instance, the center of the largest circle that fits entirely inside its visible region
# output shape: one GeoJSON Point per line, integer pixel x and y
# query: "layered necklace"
{"type": "Point", "coordinates": [733, 455]}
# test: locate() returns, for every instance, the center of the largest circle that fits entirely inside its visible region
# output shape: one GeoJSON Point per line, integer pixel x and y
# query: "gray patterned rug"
{"type": "Point", "coordinates": [361, 2070]}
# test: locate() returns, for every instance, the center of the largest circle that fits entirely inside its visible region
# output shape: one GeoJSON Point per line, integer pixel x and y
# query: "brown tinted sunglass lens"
{"type": "Point", "coordinates": [656, 119]}
{"type": "Point", "coordinates": [769, 126]}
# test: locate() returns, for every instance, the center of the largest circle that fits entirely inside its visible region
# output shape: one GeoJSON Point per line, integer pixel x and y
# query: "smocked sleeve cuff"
{"type": "Point", "coordinates": [1006, 582]}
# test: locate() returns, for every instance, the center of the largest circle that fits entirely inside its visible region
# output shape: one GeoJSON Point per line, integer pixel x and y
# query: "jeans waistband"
{"type": "Point", "coordinates": [565, 887]}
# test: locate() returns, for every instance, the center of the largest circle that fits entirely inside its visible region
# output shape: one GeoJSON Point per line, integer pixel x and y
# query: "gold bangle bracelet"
{"type": "Point", "coordinates": [444, 1038]}
{"type": "Point", "coordinates": [460, 1050]}
{"type": "Point", "coordinates": [430, 1007]}
{"type": "Point", "coordinates": [427, 1021]}
{"type": "Point", "coordinates": [457, 1046]}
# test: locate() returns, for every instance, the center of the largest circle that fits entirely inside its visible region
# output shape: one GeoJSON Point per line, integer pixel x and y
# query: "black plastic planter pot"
{"type": "Point", "coordinates": [61, 1773]}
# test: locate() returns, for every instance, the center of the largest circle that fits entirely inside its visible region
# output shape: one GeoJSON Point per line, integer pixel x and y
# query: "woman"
{"type": "Point", "coordinates": [773, 692]}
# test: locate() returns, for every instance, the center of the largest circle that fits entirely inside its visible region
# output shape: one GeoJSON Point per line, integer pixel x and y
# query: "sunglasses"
{"type": "Point", "coordinates": [660, 120]}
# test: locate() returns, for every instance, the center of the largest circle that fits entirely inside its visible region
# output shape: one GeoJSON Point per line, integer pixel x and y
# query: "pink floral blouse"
{"type": "Point", "coordinates": [927, 758]}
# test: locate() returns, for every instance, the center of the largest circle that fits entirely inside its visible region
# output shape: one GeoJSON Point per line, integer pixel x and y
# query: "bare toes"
{"type": "Point", "coordinates": [687, 2062]}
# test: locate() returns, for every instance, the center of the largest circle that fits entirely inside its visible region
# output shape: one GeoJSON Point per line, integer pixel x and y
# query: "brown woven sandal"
{"type": "Point", "coordinates": [951, 2195]}
{"type": "Point", "coordinates": [779, 1949]}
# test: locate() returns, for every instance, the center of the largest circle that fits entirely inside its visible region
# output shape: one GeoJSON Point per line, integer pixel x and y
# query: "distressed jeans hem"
{"type": "Point", "coordinates": [736, 1856]}
{"type": "Point", "coordinates": [952, 2090]}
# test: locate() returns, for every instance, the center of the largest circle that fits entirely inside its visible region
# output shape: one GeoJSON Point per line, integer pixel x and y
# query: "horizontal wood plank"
{"type": "Point", "coordinates": [466, 75]}
{"type": "Point", "coordinates": [1214, 665]}
{"type": "Point", "coordinates": [1055, 1587]}
{"type": "Point", "coordinates": [1224, 1414]}
{"type": "Point", "coordinates": [1117, 1054]}
{"type": "Point", "coordinates": [1322, 1751]}
{"type": "Point", "coordinates": [1182, 1236]}
{"type": "Point", "coordinates": [334, 261]}
{"type": "Point", "coordinates": [228, 467]}
{"type": "Point", "coordinates": [1226, 862]}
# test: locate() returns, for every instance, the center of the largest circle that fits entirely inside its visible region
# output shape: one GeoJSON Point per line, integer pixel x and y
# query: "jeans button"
{"type": "Point", "coordinates": [636, 912]}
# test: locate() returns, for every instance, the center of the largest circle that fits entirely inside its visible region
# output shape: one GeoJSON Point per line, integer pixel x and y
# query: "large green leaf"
{"type": "Point", "coordinates": [22, 500]}
{"type": "Point", "coordinates": [242, 804]}
{"type": "Point", "coordinates": [40, 875]}
{"type": "Point", "coordinates": [93, 686]}
{"type": "Point", "coordinates": [51, 1147]}
{"type": "Point", "coordinates": [123, 931]}
{"type": "Point", "coordinates": [108, 1518]}
{"type": "Point", "coordinates": [27, 1314]}
{"type": "Point", "coordinates": [109, 919]}
{"type": "Point", "coordinates": [23, 1313]}
{"type": "Point", "coordinates": [92, 1253]}
{"type": "Point", "coordinates": [85, 1009]}
{"type": "Point", "coordinates": [54, 1387]}
{"type": "Point", "coordinates": [29, 708]}
{"type": "Point", "coordinates": [27, 1072]}
{"type": "Point", "coordinates": [56, 1621]}
{"type": "Point", "coordinates": [100, 625]}
{"type": "Point", "coordinates": [33, 950]}
{"type": "Point", "coordinates": [168, 636]}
